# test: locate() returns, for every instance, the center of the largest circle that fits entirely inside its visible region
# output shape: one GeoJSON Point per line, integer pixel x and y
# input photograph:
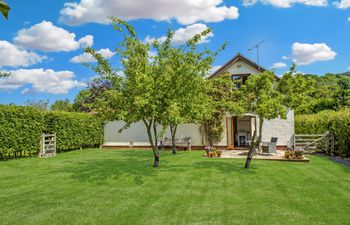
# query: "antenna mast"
{"type": "Point", "coordinates": [257, 47]}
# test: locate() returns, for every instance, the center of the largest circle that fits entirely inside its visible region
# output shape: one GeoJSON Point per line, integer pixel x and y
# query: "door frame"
{"type": "Point", "coordinates": [232, 136]}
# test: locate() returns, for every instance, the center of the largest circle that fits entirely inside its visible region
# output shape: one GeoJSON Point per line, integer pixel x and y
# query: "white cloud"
{"type": "Point", "coordinates": [86, 41]}
{"type": "Point", "coordinates": [286, 3]}
{"type": "Point", "coordinates": [304, 54]}
{"type": "Point", "coordinates": [40, 80]}
{"type": "Point", "coordinates": [86, 57]}
{"type": "Point", "coordinates": [349, 18]}
{"type": "Point", "coordinates": [184, 11]}
{"type": "Point", "coordinates": [343, 4]}
{"type": "Point", "coordinates": [11, 55]}
{"type": "Point", "coordinates": [278, 65]}
{"type": "Point", "coordinates": [184, 34]}
{"type": "Point", "coordinates": [47, 37]}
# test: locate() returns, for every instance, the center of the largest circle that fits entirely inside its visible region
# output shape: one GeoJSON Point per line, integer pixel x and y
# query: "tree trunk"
{"type": "Point", "coordinates": [261, 122]}
{"type": "Point", "coordinates": [173, 129]}
{"type": "Point", "coordinates": [251, 151]}
{"type": "Point", "coordinates": [154, 143]}
{"type": "Point", "coordinates": [155, 150]}
{"type": "Point", "coordinates": [254, 144]}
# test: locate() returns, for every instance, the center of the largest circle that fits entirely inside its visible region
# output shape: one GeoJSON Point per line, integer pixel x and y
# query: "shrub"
{"type": "Point", "coordinates": [74, 130]}
{"type": "Point", "coordinates": [20, 129]}
{"type": "Point", "coordinates": [336, 122]}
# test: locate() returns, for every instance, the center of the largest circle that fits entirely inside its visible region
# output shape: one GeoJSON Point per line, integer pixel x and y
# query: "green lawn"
{"type": "Point", "coordinates": [121, 187]}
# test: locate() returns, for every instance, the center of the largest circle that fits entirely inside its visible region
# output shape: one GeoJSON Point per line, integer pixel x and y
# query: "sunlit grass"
{"type": "Point", "coordinates": [120, 187]}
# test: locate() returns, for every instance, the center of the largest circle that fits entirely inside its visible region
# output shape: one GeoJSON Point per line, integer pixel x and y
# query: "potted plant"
{"type": "Point", "coordinates": [299, 154]}
{"type": "Point", "coordinates": [219, 153]}
{"type": "Point", "coordinates": [292, 154]}
{"type": "Point", "coordinates": [207, 150]}
{"type": "Point", "coordinates": [287, 154]}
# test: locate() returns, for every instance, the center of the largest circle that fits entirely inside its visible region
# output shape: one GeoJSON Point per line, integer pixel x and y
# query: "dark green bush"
{"type": "Point", "coordinates": [336, 122]}
{"type": "Point", "coordinates": [21, 129]}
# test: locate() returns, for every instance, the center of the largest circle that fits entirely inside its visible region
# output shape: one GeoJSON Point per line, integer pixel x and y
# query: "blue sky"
{"type": "Point", "coordinates": [41, 38]}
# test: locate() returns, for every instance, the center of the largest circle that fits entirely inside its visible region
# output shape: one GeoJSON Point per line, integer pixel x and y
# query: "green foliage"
{"type": "Point", "coordinates": [336, 122]}
{"type": "Point", "coordinates": [294, 88]}
{"type": "Point", "coordinates": [309, 94]}
{"type": "Point", "coordinates": [262, 97]}
{"type": "Point", "coordinates": [223, 99]}
{"type": "Point", "coordinates": [162, 84]}
{"type": "Point", "coordinates": [74, 130]}
{"type": "Point", "coordinates": [4, 9]}
{"type": "Point", "coordinates": [62, 105]}
{"type": "Point", "coordinates": [21, 128]}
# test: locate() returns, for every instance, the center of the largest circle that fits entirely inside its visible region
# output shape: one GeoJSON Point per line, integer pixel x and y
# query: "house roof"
{"type": "Point", "coordinates": [236, 58]}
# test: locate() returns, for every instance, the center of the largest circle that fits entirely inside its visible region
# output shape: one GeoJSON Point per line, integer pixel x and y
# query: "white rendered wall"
{"type": "Point", "coordinates": [281, 128]}
{"type": "Point", "coordinates": [137, 134]}
{"type": "Point", "coordinates": [241, 67]}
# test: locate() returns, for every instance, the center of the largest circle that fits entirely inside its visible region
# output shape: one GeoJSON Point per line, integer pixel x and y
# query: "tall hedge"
{"type": "Point", "coordinates": [74, 130]}
{"type": "Point", "coordinates": [336, 122]}
{"type": "Point", "coordinates": [21, 128]}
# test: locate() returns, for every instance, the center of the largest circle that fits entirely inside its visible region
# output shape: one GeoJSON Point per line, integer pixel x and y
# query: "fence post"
{"type": "Point", "coordinates": [327, 143]}
{"type": "Point", "coordinates": [332, 144]}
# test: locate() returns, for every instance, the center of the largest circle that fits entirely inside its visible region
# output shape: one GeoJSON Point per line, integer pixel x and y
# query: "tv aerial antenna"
{"type": "Point", "coordinates": [257, 47]}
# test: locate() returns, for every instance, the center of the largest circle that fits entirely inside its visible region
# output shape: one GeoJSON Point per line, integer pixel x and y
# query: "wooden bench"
{"type": "Point", "coordinates": [179, 142]}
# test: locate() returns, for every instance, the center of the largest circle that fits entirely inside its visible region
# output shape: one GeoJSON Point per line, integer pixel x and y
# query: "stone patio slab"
{"type": "Point", "coordinates": [238, 154]}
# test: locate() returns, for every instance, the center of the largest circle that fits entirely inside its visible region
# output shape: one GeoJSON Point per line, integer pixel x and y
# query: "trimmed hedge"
{"type": "Point", "coordinates": [74, 130]}
{"type": "Point", "coordinates": [21, 128]}
{"type": "Point", "coordinates": [336, 122]}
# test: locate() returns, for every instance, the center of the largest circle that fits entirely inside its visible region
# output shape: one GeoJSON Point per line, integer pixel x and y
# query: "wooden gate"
{"type": "Point", "coordinates": [48, 146]}
{"type": "Point", "coordinates": [315, 142]}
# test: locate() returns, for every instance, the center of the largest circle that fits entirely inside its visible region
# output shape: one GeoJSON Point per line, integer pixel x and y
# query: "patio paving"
{"type": "Point", "coordinates": [237, 154]}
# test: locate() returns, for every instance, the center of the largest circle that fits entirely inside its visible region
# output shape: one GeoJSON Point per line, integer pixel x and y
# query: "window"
{"type": "Point", "coordinates": [237, 79]}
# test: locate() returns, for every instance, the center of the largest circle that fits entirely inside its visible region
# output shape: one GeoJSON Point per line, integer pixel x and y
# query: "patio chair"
{"type": "Point", "coordinates": [270, 147]}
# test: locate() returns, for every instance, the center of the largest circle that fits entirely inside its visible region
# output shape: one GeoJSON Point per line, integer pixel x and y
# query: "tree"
{"type": "Point", "coordinates": [4, 9]}
{"type": "Point", "coordinates": [296, 89]}
{"type": "Point", "coordinates": [184, 69]}
{"type": "Point", "coordinates": [309, 93]}
{"type": "Point", "coordinates": [152, 88]}
{"type": "Point", "coordinates": [62, 105]}
{"type": "Point", "coordinates": [88, 98]}
{"type": "Point", "coordinates": [41, 104]}
{"type": "Point", "coordinates": [139, 91]}
{"type": "Point", "coordinates": [262, 98]}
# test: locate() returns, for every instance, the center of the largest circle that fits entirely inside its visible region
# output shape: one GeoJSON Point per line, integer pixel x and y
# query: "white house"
{"type": "Point", "coordinates": [237, 132]}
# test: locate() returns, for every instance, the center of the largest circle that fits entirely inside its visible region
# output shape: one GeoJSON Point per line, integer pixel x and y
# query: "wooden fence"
{"type": "Point", "coordinates": [315, 142]}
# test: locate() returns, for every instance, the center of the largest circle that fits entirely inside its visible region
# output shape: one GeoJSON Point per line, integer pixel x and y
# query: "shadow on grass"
{"type": "Point", "coordinates": [99, 171]}
{"type": "Point", "coordinates": [225, 166]}
{"type": "Point", "coordinates": [137, 166]}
